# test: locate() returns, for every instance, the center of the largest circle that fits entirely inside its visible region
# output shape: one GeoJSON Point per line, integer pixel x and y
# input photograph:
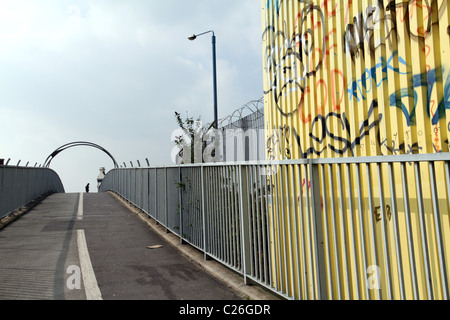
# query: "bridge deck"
{"type": "Point", "coordinates": [43, 256]}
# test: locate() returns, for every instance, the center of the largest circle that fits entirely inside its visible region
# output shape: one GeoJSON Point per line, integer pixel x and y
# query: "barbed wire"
{"type": "Point", "coordinates": [255, 107]}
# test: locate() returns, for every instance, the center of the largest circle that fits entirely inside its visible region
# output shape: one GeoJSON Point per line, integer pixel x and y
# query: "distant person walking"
{"type": "Point", "coordinates": [87, 188]}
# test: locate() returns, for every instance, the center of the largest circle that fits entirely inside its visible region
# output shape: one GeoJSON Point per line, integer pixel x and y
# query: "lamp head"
{"type": "Point", "coordinates": [193, 37]}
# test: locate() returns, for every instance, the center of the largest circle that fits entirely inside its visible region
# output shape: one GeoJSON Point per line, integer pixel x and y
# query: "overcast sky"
{"type": "Point", "coordinates": [113, 72]}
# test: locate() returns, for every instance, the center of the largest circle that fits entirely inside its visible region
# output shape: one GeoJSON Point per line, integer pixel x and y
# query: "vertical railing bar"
{"type": "Point", "coordinates": [447, 179]}
{"type": "Point", "coordinates": [244, 222]}
{"type": "Point", "coordinates": [192, 210]}
{"type": "Point", "coordinates": [297, 295]}
{"type": "Point", "coordinates": [335, 241]}
{"type": "Point", "coordinates": [423, 230]}
{"type": "Point", "coordinates": [317, 231]}
{"type": "Point", "coordinates": [247, 210]}
{"type": "Point", "coordinates": [206, 200]}
{"type": "Point", "coordinates": [189, 214]}
{"type": "Point", "coordinates": [303, 232]}
{"type": "Point", "coordinates": [352, 230]}
{"type": "Point", "coordinates": [214, 212]}
{"type": "Point", "coordinates": [394, 213]}
{"type": "Point", "coordinates": [343, 229]}
{"type": "Point", "coordinates": [220, 216]}
{"type": "Point", "coordinates": [281, 195]}
{"type": "Point", "coordinates": [276, 219]}
{"type": "Point", "coordinates": [180, 202]}
{"type": "Point", "coordinates": [243, 236]}
{"type": "Point", "coordinates": [194, 235]}
{"type": "Point", "coordinates": [191, 190]}
{"type": "Point", "coordinates": [166, 218]}
{"type": "Point", "coordinates": [362, 227]}
{"type": "Point", "coordinates": [204, 222]}
{"type": "Point", "coordinates": [237, 223]}
{"type": "Point", "coordinates": [289, 230]}
{"type": "Point", "coordinates": [412, 260]}
{"type": "Point", "coordinates": [387, 257]}
{"type": "Point", "coordinates": [438, 228]}
{"type": "Point", "coordinates": [236, 216]}
{"type": "Point", "coordinates": [148, 191]}
{"type": "Point", "coordinates": [310, 277]}
{"type": "Point", "coordinates": [230, 214]}
{"type": "Point", "coordinates": [229, 175]}
{"type": "Point", "coordinates": [325, 233]}
{"type": "Point", "coordinates": [223, 221]}
{"type": "Point", "coordinates": [264, 238]}
{"type": "Point", "coordinates": [258, 220]}
{"type": "Point", "coordinates": [197, 212]}
{"type": "Point", "coordinates": [249, 217]}
{"type": "Point", "coordinates": [210, 211]}
{"type": "Point", "coordinates": [255, 217]}
{"type": "Point", "coordinates": [194, 214]}
{"type": "Point", "coordinates": [372, 226]}
{"type": "Point", "coordinates": [269, 222]}
{"type": "Point", "coordinates": [226, 217]}
{"type": "Point", "coordinates": [187, 204]}
{"type": "Point", "coordinates": [231, 210]}
{"type": "Point", "coordinates": [155, 215]}
{"type": "Point", "coordinates": [251, 222]}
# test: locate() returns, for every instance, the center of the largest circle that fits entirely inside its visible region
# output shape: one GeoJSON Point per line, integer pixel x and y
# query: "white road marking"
{"type": "Point", "coordinates": [80, 207]}
{"type": "Point", "coordinates": [90, 282]}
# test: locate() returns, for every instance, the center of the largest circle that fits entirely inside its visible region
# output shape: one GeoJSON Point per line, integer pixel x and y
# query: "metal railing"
{"type": "Point", "coordinates": [347, 228]}
{"type": "Point", "coordinates": [20, 185]}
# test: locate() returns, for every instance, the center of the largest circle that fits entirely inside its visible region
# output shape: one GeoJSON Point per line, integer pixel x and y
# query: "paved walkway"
{"type": "Point", "coordinates": [78, 246]}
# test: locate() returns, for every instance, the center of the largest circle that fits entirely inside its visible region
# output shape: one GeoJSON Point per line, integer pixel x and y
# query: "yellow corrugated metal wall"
{"type": "Point", "coordinates": [361, 78]}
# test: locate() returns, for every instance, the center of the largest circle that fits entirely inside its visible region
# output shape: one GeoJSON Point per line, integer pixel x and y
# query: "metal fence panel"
{"type": "Point", "coordinates": [20, 185]}
{"type": "Point", "coordinates": [344, 228]}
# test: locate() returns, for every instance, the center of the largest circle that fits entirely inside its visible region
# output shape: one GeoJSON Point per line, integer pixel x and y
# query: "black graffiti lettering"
{"type": "Point", "coordinates": [363, 26]}
{"type": "Point", "coordinates": [290, 57]}
{"type": "Point", "coordinates": [378, 214]}
{"type": "Point", "coordinates": [354, 37]}
{"type": "Point", "coordinates": [363, 30]}
{"type": "Point", "coordinates": [342, 141]}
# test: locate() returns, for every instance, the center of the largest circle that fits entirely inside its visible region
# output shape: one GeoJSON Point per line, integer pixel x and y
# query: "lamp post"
{"type": "Point", "coordinates": [192, 38]}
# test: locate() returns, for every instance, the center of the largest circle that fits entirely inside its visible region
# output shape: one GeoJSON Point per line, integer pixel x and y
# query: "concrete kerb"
{"type": "Point", "coordinates": [217, 270]}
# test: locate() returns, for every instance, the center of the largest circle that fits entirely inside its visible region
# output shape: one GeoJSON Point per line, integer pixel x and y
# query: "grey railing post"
{"type": "Point", "coordinates": [318, 229]}
{"type": "Point", "coordinates": [243, 211]}
{"type": "Point", "coordinates": [205, 239]}
{"type": "Point", "coordinates": [180, 204]}
{"type": "Point", "coordinates": [166, 205]}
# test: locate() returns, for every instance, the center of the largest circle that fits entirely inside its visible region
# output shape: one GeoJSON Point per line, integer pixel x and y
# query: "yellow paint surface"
{"type": "Point", "coordinates": [348, 79]}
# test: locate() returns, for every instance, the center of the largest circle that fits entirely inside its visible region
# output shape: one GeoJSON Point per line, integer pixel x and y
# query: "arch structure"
{"type": "Point", "coordinates": [77, 144]}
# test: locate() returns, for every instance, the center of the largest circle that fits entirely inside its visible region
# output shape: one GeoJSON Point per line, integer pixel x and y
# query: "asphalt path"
{"type": "Point", "coordinates": [78, 246]}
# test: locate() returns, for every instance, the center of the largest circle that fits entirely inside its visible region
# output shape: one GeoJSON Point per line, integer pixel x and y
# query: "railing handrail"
{"type": "Point", "coordinates": [429, 157]}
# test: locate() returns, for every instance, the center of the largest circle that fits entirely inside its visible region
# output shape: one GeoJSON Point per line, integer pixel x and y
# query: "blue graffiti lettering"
{"type": "Point", "coordinates": [429, 80]}
{"type": "Point", "coordinates": [360, 87]}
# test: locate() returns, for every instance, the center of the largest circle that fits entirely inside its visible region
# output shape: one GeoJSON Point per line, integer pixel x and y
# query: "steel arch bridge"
{"type": "Point", "coordinates": [77, 144]}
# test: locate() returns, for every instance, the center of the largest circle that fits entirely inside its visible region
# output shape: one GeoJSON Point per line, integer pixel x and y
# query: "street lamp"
{"type": "Point", "coordinates": [192, 38]}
